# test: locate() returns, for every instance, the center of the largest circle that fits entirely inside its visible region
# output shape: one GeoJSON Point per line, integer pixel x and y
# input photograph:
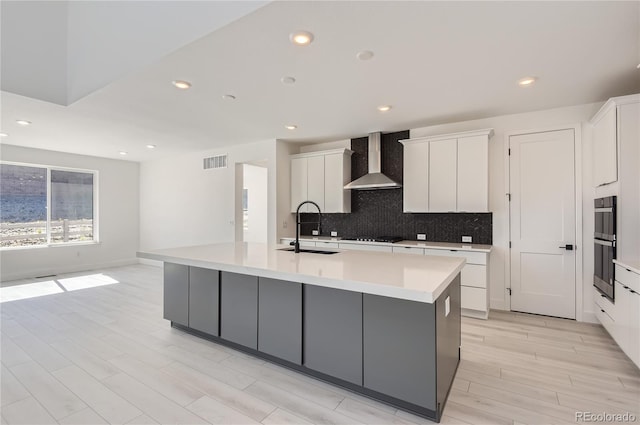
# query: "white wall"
{"type": "Point", "coordinates": [255, 181]}
{"type": "Point", "coordinates": [541, 120]}
{"type": "Point", "coordinates": [182, 204]}
{"type": "Point", "coordinates": [117, 215]}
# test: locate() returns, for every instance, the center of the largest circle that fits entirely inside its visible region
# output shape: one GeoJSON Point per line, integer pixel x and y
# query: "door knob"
{"type": "Point", "coordinates": [568, 247]}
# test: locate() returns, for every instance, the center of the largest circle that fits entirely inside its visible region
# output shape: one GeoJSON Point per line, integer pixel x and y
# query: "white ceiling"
{"type": "Point", "coordinates": [435, 62]}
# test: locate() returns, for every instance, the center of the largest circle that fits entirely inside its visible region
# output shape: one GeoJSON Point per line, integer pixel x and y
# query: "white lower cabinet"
{"type": "Point", "coordinates": [626, 328]}
{"type": "Point", "coordinates": [474, 279]}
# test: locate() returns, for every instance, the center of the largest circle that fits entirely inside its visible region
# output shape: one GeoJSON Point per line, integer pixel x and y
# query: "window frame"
{"type": "Point", "coordinates": [96, 221]}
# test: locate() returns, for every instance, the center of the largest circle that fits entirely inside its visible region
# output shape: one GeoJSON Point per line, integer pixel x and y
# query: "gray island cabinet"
{"type": "Point", "coordinates": [399, 343]}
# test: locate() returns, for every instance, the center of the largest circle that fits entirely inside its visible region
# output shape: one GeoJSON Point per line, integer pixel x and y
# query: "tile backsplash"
{"type": "Point", "coordinates": [379, 212]}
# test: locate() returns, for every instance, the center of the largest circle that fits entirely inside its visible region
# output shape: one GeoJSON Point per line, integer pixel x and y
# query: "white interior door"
{"type": "Point", "coordinates": [542, 223]}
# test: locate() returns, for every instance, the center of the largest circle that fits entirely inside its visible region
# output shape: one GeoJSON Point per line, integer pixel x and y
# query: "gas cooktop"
{"type": "Point", "coordinates": [388, 239]}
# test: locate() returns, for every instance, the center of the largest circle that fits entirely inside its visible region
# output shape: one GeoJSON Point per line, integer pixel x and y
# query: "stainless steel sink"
{"type": "Point", "coordinates": [310, 251]}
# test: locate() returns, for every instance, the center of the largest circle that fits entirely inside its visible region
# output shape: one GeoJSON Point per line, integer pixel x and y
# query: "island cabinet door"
{"type": "Point", "coordinates": [204, 300]}
{"type": "Point", "coordinates": [239, 309]}
{"type": "Point", "coordinates": [176, 293]}
{"type": "Point", "coordinates": [400, 349]}
{"type": "Point", "coordinates": [333, 332]}
{"type": "Point", "coordinates": [280, 319]}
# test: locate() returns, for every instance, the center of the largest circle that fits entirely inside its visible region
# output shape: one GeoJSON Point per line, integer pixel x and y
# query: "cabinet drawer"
{"type": "Point", "coordinates": [473, 298]}
{"type": "Point", "coordinates": [305, 243]}
{"type": "Point", "coordinates": [407, 250]}
{"type": "Point", "coordinates": [603, 303]}
{"type": "Point", "coordinates": [324, 244]}
{"type": "Point", "coordinates": [604, 318]}
{"type": "Point", "coordinates": [628, 278]}
{"type": "Point", "coordinates": [472, 257]}
{"type": "Point", "coordinates": [363, 247]}
{"type": "Point", "coordinates": [474, 275]}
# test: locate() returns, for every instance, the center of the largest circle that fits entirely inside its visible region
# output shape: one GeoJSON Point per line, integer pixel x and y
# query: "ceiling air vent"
{"type": "Point", "coordinates": [219, 161]}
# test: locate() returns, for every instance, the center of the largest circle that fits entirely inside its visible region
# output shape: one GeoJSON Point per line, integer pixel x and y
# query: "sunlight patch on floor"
{"type": "Point", "coordinates": [55, 286]}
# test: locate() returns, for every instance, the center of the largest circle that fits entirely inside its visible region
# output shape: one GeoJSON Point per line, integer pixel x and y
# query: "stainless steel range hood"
{"type": "Point", "coordinates": [374, 179]}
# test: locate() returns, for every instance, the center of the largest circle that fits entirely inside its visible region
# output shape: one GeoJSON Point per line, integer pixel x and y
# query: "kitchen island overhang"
{"type": "Point", "coordinates": [383, 325]}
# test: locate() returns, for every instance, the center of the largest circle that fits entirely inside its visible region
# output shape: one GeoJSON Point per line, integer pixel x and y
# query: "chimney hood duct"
{"type": "Point", "coordinates": [374, 179]}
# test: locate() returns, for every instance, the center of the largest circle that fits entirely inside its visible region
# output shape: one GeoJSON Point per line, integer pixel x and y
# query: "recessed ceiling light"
{"type": "Point", "coordinates": [288, 80]}
{"type": "Point", "coordinates": [301, 38]}
{"type": "Point", "coordinates": [384, 108]}
{"type": "Point", "coordinates": [365, 55]}
{"type": "Point", "coordinates": [123, 153]}
{"type": "Point", "coordinates": [527, 81]}
{"type": "Point", "coordinates": [291, 127]}
{"type": "Point", "coordinates": [228, 97]}
{"type": "Point", "coordinates": [23, 122]}
{"type": "Point", "coordinates": [151, 146]}
{"type": "Point", "coordinates": [181, 84]}
{"type": "Point", "coordinates": [4, 135]}
{"type": "Point", "coordinates": [638, 67]}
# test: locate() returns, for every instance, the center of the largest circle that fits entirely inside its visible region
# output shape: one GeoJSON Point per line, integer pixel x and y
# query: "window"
{"type": "Point", "coordinates": [43, 206]}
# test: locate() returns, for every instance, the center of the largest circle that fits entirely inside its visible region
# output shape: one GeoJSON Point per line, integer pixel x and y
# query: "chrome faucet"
{"type": "Point", "coordinates": [296, 245]}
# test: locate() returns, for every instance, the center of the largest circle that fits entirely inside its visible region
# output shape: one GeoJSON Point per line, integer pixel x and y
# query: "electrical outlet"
{"type": "Point", "coordinates": [334, 233]}
{"type": "Point", "coordinates": [284, 224]}
{"type": "Point", "coordinates": [315, 233]}
{"type": "Point", "coordinates": [466, 239]}
{"type": "Point", "coordinates": [422, 236]}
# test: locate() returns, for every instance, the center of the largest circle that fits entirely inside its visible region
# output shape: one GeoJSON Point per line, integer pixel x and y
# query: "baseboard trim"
{"type": "Point", "coordinates": [589, 317]}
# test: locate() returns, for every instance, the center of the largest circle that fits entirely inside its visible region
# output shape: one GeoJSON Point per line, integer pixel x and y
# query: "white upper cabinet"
{"type": "Point", "coordinates": [320, 177]}
{"type": "Point", "coordinates": [447, 173]}
{"type": "Point", "coordinates": [315, 182]}
{"type": "Point", "coordinates": [473, 174]}
{"type": "Point", "coordinates": [605, 145]}
{"type": "Point", "coordinates": [443, 177]}
{"type": "Point", "coordinates": [415, 180]}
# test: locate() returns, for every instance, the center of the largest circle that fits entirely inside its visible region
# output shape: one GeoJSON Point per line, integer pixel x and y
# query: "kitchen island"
{"type": "Point", "coordinates": [383, 325]}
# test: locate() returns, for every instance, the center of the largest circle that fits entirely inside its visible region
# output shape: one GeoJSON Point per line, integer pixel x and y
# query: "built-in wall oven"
{"type": "Point", "coordinates": [605, 245]}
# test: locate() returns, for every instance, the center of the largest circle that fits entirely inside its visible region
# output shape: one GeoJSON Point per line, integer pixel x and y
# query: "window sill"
{"type": "Point", "coordinates": [57, 245]}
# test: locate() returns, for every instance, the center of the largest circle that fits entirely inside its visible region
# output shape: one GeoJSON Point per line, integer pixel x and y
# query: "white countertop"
{"type": "Point", "coordinates": [410, 277]}
{"type": "Point", "coordinates": [407, 243]}
{"type": "Point", "coordinates": [634, 266]}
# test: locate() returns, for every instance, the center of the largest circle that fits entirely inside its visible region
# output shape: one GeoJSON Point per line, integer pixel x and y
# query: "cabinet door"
{"type": "Point", "coordinates": [399, 349]}
{"type": "Point", "coordinates": [442, 175]}
{"type": "Point", "coordinates": [239, 309]}
{"type": "Point", "coordinates": [334, 193]}
{"type": "Point", "coordinates": [176, 293]}
{"type": "Point", "coordinates": [635, 328]}
{"type": "Point", "coordinates": [280, 319]}
{"type": "Point", "coordinates": [415, 181]}
{"type": "Point", "coordinates": [473, 174]}
{"type": "Point", "coordinates": [204, 300]}
{"type": "Point", "coordinates": [298, 182]}
{"type": "Point", "coordinates": [315, 182]}
{"type": "Point", "coordinates": [333, 332]}
{"type": "Point", "coordinates": [605, 154]}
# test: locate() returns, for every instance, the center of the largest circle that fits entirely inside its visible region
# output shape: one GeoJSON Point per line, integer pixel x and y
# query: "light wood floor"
{"type": "Point", "coordinates": [103, 354]}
